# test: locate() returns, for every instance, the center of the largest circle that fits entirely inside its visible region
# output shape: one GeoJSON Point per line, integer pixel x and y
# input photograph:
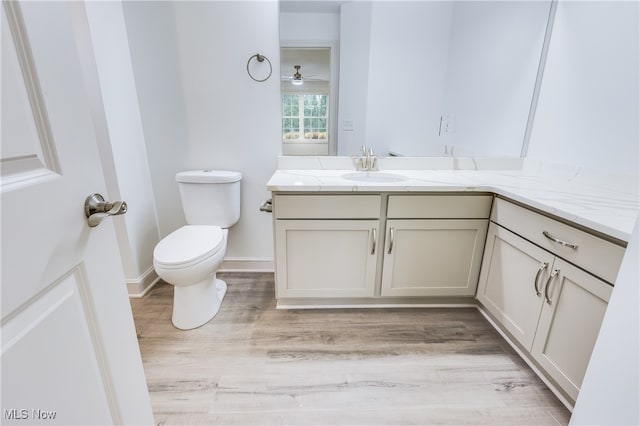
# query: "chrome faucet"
{"type": "Point", "coordinates": [367, 160]}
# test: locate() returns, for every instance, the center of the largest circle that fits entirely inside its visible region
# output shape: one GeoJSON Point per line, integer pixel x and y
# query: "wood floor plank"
{"type": "Point", "coordinates": [255, 365]}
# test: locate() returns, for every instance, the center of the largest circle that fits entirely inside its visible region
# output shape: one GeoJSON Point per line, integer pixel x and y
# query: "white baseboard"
{"type": "Point", "coordinates": [140, 286]}
{"type": "Point", "coordinates": [247, 264]}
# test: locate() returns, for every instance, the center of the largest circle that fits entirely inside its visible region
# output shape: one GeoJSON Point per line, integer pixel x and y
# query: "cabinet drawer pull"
{"type": "Point", "coordinates": [547, 298]}
{"type": "Point", "coordinates": [559, 241]}
{"type": "Point", "coordinates": [543, 266]}
{"type": "Point", "coordinates": [391, 238]}
{"type": "Point", "coordinates": [373, 245]}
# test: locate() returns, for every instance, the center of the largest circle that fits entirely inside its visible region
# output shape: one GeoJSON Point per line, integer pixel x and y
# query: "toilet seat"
{"type": "Point", "coordinates": [188, 246]}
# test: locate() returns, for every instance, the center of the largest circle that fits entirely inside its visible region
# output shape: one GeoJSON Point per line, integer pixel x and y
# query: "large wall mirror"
{"type": "Point", "coordinates": [414, 78]}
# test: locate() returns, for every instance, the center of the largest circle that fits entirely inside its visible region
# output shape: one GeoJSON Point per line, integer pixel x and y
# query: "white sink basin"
{"type": "Point", "coordinates": [381, 177]}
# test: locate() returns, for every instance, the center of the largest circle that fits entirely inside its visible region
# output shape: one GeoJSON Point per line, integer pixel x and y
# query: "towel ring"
{"type": "Point", "coordinates": [259, 58]}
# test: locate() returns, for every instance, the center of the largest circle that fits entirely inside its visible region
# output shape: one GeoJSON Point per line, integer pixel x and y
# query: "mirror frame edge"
{"type": "Point", "coordinates": [539, 76]}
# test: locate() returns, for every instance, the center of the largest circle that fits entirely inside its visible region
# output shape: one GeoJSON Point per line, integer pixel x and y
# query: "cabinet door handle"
{"type": "Point", "coordinates": [373, 245]}
{"type": "Point", "coordinates": [559, 241]}
{"type": "Point", "coordinates": [547, 298]}
{"type": "Point", "coordinates": [391, 238]}
{"type": "Point", "coordinates": [543, 266]}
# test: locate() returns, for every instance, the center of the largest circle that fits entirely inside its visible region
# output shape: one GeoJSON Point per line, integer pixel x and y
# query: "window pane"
{"type": "Point", "coordinates": [313, 114]}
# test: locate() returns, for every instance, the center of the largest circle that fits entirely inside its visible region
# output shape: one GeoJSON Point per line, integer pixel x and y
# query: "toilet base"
{"type": "Point", "coordinates": [195, 305]}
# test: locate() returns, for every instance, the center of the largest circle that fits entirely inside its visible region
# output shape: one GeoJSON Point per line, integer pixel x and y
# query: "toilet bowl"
{"type": "Point", "coordinates": [188, 258]}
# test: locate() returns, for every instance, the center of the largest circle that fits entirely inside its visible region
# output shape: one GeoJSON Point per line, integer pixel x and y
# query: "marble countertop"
{"type": "Point", "coordinates": [604, 202]}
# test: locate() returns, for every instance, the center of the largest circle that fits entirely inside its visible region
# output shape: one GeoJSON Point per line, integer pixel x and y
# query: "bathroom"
{"type": "Point", "coordinates": [181, 86]}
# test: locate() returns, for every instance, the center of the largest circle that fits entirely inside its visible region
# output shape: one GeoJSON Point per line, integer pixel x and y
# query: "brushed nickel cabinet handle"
{"type": "Point", "coordinates": [543, 266]}
{"type": "Point", "coordinates": [391, 238]}
{"type": "Point", "coordinates": [547, 298]}
{"type": "Point", "coordinates": [373, 245]}
{"type": "Point", "coordinates": [559, 241]}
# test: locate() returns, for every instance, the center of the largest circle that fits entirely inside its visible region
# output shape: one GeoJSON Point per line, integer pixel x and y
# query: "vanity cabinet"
{"type": "Point", "coordinates": [434, 244]}
{"type": "Point", "coordinates": [332, 246]}
{"type": "Point", "coordinates": [326, 246]}
{"type": "Point", "coordinates": [531, 286]}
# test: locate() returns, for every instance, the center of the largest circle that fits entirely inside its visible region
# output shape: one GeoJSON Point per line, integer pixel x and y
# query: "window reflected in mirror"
{"type": "Point", "coordinates": [305, 89]}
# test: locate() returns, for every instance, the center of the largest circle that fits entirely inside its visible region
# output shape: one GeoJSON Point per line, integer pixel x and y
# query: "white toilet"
{"type": "Point", "coordinates": [189, 257]}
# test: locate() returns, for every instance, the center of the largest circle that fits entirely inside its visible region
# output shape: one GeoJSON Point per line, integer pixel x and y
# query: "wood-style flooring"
{"type": "Point", "coordinates": [255, 365]}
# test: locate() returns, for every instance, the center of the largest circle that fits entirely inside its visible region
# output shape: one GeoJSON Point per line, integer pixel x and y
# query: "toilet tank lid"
{"type": "Point", "coordinates": [208, 176]}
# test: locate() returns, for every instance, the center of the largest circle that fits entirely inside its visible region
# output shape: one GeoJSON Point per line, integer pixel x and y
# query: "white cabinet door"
{"type": "Point", "coordinates": [575, 303]}
{"type": "Point", "coordinates": [326, 258]}
{"type": "Point", "coordinates": [512, 280]}
{"type": "Point", "coordinates": [432, 257]}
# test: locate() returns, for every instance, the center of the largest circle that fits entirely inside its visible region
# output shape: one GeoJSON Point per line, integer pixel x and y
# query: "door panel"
{"type": "Point", "coordinates": [326, 258]}
{"type": "Point", "coordinates": [28, 150]}
{"type": "Point", "coordinates": [27, 335]}
{"type": "Point", "coordinates": [68, 342]}
{"type": "Point", "coordinates": [569, 325]}
{"type": "Point", "coordinates": [433, 257]}
{"type": "Point", "coordinates": [507, 286]}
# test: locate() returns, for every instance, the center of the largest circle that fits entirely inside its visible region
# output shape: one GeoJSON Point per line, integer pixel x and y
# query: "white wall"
{"type": "Point", "coordinates": [610, 393]}
{"type": "Point", "coordinates": [122, 146]}
{"type": "Point", "coordinates": [355, 34]}
{"type": "Point", "coordinates": [154, 55]}
{"type": "Point", "coordinates": [589, 101]}
{"type": "Point", "coordinates": [309, 26]}
{"type": "Point", "coordinates": [201, 109]}
{"type": "Point", "coordinates": [494, 56]}
{"type": "Point", "coordinates": [474, 63]}
{"type": "Point", "coordinates": [407, 70]}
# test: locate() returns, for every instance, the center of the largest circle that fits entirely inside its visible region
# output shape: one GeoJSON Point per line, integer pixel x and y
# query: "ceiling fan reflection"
{"type": "Point", "coordinates": [297, 79]}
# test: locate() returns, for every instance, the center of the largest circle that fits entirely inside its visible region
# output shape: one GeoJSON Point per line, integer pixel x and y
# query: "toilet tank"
{"type": "Point", "coordinates": [210, 197]}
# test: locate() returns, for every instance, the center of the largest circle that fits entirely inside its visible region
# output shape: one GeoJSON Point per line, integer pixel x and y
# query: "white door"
{"type": "Point", "coordinates": [69, 349]}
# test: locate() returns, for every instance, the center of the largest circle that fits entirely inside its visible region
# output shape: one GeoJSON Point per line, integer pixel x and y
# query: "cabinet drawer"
{"type": "Point", "coordinates": [326, 206]}
{"type": "Point", "coordinates": [439, 206]}
{"type": "Point", "coordinates": [600, 257]}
